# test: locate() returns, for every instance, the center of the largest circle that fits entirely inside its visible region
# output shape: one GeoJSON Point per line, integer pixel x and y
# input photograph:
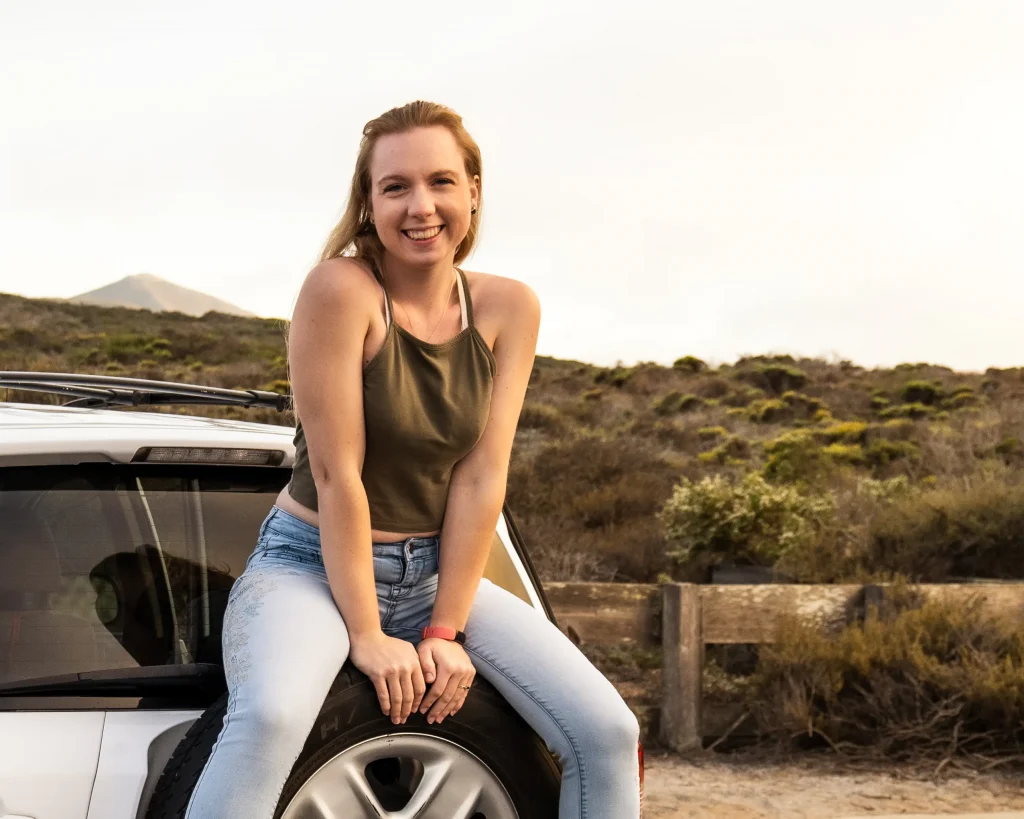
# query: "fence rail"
{"type": "Point", "coordinates": [683, 617]}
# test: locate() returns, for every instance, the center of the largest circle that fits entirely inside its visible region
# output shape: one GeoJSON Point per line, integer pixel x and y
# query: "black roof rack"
{"type": "Point", "coordinates": [117, 391]}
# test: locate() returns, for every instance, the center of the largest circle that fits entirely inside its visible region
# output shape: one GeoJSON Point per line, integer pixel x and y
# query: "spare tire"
{"type": "Point", "coordinates": [484, 762]}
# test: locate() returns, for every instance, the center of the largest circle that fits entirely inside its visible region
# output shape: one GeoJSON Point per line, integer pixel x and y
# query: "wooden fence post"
{"type": "Point", "coordinates": [682, 640]}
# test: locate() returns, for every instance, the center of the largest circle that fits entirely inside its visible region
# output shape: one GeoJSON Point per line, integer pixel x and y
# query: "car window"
{"type": "Point", "coordinates": [112, 566]}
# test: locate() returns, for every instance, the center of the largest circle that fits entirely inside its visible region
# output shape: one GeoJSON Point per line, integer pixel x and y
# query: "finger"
{"type": "Point", "coordinates": [436, 690]}
{"type": "Point", "coordinates": [444, 700]}
{"type": "Point", "coordinates": [380, 686]}
{"type": "Point", "coordinates": [460, 696]}
{"type": "Point", "coordinates": [427, 663]}
{"type": "Point", "coordinates": [395, 690]}
{"type": "Point", "coordinates": [419, 688]}
{"type": "Point", "coordinates": [406, 680]}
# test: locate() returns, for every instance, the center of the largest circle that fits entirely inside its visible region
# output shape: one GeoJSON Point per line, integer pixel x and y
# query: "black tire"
{"type": "Point", "coordinates": [486, 726]}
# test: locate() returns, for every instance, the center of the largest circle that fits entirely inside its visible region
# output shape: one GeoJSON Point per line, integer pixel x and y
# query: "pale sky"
{"type": "Point", "coordinates": [717, 179]}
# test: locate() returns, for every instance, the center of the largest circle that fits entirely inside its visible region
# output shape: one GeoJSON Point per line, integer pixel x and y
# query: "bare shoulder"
{"type": "Point", "coordinates": [338, 280]}
{"type": "Point", "coordinates": [500, 301]}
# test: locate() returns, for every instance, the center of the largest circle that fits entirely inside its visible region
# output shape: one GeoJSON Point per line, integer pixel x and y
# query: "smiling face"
{"type": "Point", "coordinates": [420, 196]}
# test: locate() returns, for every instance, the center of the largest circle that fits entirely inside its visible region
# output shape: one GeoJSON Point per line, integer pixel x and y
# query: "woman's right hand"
{"type": "Point", "coordinates": [393, 666]}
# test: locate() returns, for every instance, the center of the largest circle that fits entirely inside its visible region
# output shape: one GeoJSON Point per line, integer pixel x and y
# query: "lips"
{"type": "Point", "coordinates": [423, 234]}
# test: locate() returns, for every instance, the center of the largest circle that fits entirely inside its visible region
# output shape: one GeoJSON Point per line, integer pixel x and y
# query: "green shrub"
{"type": "Point", "coordinates": [127, 348]}
{"type": "Point", "coordinates": [592, 395]}
{"type": "Point", "coordinates": [845, 453]}
{"type": "Point", "coordinates": [879, 402]}
{"type": "Point", "coordinates": [676, 402]}
{"type": "Point", "coordinates": [733, 452]}
{"type": "Point", "coordinates": [964, 397]}
{"type": "Point", "coordinates": [711, 433]}
{"type": "Point", "coordinates": [615, 376]}
{"type": "Point", "coordinates": [883, 451]}
{"type": "Point", "coordinates": [1010, 449]}
{"type": "Point", "coordinates": [916, 410]}
{"type": "Point", "coordinates": [795, 457]}
{"type": "Point", "coordinates": [921, 392]}
{"type": "Point", "coordinates": [776, 378]}
{"type": "Point", "coordinates": [668, 403]}
{"type": "Point", "coordinates": [768, 410]}
{"type": "Point", "coordinates": [847, 432]}
{"type": "Point", "coordinates": [803, 405]}
{"type": "Point", "coordinates": [689, 364]}
{"type": "Point", "coordinates": [159, 348]}
{"type": "Point", "coordinates": [749, 521]}
{"type": "Point", "coordinates": [743, 398]}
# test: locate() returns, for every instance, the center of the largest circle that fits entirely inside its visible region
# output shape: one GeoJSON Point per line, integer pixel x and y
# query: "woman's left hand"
{"type": "Point", "coordinates": [446, 665]}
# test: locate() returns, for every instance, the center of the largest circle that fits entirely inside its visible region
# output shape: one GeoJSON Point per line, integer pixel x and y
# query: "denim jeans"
{"type": "Point", "coordinates": [284, 642]}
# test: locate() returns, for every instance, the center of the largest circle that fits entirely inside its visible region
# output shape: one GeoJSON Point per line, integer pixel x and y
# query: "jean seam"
{"type": "Point", "coordinates": [546, 710]}
{"type": "Point", "coordinates": [232, 701]}
{"type": "Point", "coordinates": [392, 603]}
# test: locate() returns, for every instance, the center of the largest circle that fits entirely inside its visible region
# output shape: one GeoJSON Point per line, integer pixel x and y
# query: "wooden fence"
{"type": "Point", "coordinates": [683, 617]}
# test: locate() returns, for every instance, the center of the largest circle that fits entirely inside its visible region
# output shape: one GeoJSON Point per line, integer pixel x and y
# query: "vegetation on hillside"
{"type": "Point", "coordinates": [827, 471]}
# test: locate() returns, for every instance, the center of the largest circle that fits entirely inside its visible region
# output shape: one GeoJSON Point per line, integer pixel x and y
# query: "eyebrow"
{"type": "Point", "coordinates": [393, 176]}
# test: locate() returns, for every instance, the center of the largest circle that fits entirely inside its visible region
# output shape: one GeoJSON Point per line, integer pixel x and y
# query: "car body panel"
{"type": "Point", "coordinates": [135, 748]}
{"type": "Point", "coordinates": [36, 435]}
{"type": "Point", "coordinates": [48, 763]}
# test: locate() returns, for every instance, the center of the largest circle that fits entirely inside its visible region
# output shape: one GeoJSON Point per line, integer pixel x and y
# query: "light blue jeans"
{"type": "Point", "coordinates": [284, 642]}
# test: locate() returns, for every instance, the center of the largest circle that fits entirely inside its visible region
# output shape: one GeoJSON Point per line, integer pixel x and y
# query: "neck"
{"type": "Point", "coordinates": [422, 287]}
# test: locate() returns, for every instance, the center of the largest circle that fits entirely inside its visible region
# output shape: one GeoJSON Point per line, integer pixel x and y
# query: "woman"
{"type": "Point", "coordinates": [409, 376]}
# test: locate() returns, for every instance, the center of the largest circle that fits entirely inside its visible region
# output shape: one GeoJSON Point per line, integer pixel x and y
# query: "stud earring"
{"type": "Point", "coordinates": [473, 210]}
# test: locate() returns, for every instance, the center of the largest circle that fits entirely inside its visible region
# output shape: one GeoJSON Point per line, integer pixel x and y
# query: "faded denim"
{"type": "Point", "coordinates": [284, 642]}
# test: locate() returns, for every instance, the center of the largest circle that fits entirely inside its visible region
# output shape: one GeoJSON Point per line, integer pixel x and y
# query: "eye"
{"type": "Point", "coordinates": [446, 179]}
{"type": "Point", "coordinates": [391, 187]}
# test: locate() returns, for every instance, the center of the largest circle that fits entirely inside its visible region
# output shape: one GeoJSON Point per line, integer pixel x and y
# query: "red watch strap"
{"type": "Point", "coordinates": [444, 633]}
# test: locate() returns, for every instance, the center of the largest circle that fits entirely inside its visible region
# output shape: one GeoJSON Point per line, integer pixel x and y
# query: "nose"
{"type": "Point", "coordinates": [421, 201]}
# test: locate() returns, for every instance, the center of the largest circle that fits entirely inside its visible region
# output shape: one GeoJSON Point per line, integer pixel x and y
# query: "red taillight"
{"type": "Point", "coordinates": [640, 760]}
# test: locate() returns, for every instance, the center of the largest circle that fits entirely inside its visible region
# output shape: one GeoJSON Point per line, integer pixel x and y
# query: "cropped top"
{"type": "Point", "coordinates": [425, 407]}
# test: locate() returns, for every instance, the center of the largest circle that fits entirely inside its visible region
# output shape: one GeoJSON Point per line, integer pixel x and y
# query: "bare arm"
{"type": "Point", "coordinates": [328, 330]}
{"type": "Point", "coordinates": [475, 497]}
{"type": "Point", "coordinates": [325, 352]}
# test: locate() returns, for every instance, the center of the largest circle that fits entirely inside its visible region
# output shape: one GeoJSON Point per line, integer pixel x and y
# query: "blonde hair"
{"type": "Point", "coordinates": [354, 235]}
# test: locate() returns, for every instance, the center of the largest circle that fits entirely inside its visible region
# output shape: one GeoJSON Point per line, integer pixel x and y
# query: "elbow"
{"type": "Point", "coordinates": [332, 478]}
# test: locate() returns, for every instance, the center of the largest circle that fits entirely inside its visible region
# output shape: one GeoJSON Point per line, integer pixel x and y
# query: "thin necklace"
{"type": "Point", "coordinates": [443, 311]}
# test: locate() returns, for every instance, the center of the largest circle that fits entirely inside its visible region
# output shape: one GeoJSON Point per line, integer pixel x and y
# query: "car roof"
{"type": "Point", "coordinates": [44, 433]}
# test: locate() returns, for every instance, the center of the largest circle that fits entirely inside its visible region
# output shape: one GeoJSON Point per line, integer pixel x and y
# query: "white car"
{"type": "Point", "coordinates": [121, 534]}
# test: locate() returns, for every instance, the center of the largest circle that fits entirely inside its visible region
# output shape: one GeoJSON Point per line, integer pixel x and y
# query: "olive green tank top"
{"type": "Point", "coordinates": [425, 406]}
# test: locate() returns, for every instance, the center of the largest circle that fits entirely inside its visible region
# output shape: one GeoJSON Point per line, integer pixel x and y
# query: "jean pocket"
{"type": "Point", "coordinates": [274, 549]}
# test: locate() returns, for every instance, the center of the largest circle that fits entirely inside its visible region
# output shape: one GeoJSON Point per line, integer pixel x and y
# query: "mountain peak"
{"type": "Point", "coordinates": [144, 291]}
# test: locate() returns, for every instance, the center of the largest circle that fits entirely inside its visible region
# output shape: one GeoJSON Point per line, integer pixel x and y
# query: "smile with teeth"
{"type": "Point", "coordinates": [428, 233]}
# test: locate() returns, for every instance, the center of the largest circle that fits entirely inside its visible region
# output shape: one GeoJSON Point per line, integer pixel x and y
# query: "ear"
{"type": "Point", "coordinates": [474, 191]}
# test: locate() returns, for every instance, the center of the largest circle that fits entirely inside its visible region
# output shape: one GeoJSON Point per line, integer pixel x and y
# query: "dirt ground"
{"type": "Point", "coordinates": [729, 787]}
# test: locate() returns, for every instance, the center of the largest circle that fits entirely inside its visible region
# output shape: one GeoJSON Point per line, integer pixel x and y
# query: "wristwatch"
{"type": "Point", "coordinates": [445, 634]}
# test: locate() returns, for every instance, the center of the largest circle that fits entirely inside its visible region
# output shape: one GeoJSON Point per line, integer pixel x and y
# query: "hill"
{"type": "Point", "coordinates": [148, 292]}
{"type": "Point", "coordinates": [827, 471]}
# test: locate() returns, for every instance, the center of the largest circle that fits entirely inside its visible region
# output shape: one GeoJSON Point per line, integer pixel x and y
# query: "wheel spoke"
{"type": "Point", "coordinates": [345, 794]}
{"type": "Point", "coordinates": [450, 789]}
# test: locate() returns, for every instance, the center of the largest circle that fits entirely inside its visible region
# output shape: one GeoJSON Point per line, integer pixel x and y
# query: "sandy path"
{"type": "Point", "coordinates": [698, 788]}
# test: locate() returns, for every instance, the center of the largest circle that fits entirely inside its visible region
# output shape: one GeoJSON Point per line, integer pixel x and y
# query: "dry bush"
{"type": "Point", "coordinates": [928, 681]}
{"type": "Point", "coordinates": [596, 496]}
{"type": "Point", "coordinates": [975, 529]}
